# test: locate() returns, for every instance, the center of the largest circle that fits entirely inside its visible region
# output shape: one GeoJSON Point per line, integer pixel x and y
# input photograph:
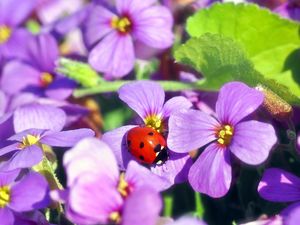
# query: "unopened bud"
{"type": "Point", "coordinates": [275, 105]}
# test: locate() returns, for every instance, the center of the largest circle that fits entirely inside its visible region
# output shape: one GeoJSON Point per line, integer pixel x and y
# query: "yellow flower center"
{"type": "Point", "coordinates": [4, 196]}
{"type": "Point", "coordinates": [115, 218]}
{"type": "Point", "coordinates": [46, 79]}
{"type": "Point", "coordinates": [224, 135]}
{"type": "Point", "coordinates": [154, 122]}
{"type": "Point", "coordinates": [5, 33]}
{"type": "Point", "coordinates": [123, 186]}
{"type": "Point", "coordinates": [123, 25]}
{"type": "Point", "coordinates": [29, 140]}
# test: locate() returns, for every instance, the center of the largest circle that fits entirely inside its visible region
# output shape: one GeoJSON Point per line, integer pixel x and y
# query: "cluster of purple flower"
{"type": "Point", "coordinates": [110, 179]}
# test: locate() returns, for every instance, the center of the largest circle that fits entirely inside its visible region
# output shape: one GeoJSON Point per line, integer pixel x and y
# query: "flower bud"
{"type": "Point", "coordinates": [275, 105]}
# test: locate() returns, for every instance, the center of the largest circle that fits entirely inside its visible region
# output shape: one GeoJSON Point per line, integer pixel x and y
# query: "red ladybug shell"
{"type": "Point", "coordinates": [144, 143]}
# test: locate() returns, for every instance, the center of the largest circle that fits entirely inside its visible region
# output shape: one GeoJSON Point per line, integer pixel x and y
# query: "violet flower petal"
{"type": "Point", "coordinates": [147, 205]}
{"type": "Point", "coordinates": [174, 105]}
{"type": "Point", "coordinates": [236, 101]}
{"type": "Point", "coordinates": [97, 25]}
{"type": "Point", "coordinates": [43, 52]}
{"type": "Point", "coordinates": [138, 176]}
{"type": "Point", "coordinates": [14, 12]}
{"type": "Point", "coordinates": [152, 26]}
{"type": "Point", "coordinates": [9, 148]}
{"type": "Point", "coordinates": [6, 216]}
{"type": "Point", "coordinates": [17, 76]}
{"type": "Point", "coordinates": [133, 6]}
{"type": "Point", "coordinates": [252, 141]}
{"type": "Point", "coordinates": [291, 214]}
{"type": "Point", "coordinates": [8, 177]}
{"type": "Point", "coordinates": [61, 88]}
{"type": "Point", "coordinates": [146, 98]}
{"type": "Point", "coordinates": [175, 169]}
{"type": "Point", "coordinates": [67, 138]}
{"type": "Point", "coordinates": [24, 158]}
{"type": "Point", "coordinates": [187, 221]}
{"type": "Point", "coordinates": [40, 117]}
{"type": "Point", "coordinates": [190, 130]}
{"type": "Point", "coordinates": [29, 193]}
{"type": "Point", "coordinates": [113, 55]}
{"type": "Point", "coordinates": [211, 173]}
{"type": "Point", "coordinates": [278, 185]}
{"type": "Point", "coordinates": [91, 155]}
{"type": "Point", "coordinates": [116, 139]}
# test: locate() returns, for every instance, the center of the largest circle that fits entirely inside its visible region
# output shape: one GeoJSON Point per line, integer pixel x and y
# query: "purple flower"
{"type": "Point", "coordinates": [274, 220]}
{"type": "Point", "coordinates": [290, 10]}
{"type": "Point", "coordinates": [38, 125]}
{"type": "Point", "coordinates": [250, 141]}
{"type": "Point", "coordinates": [98, 194]}
{"type": "Point", "coordinates": [147, 98]}
{"type": "Point", "coordinates": [12, 38]}
{"type": "Point", "coordinates": [21, 195]}
{"type": "Point", "coordinates": [187, 221]}
{"type": "Point", "coordinates": [39, 67]}
{"type": "Point", "coordinates": [112, 36]}
{"type": "Point", "coordinates": [278, 185]}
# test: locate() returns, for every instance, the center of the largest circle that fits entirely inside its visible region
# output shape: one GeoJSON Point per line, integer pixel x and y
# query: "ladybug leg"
{"type": "Point", "coordinates": [161, 156]}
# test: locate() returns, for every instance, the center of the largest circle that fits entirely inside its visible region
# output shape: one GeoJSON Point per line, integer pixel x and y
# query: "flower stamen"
{"type": "Point", "coordinates": [5, 33]}
{"type": "Point", "coordinates": [115, 218]}
{"type": "Point", "coordinates": [123, 24]}
{"type": "Point", "coordinates": [29, 140]}
{"type": "Point", "coordinates": [4, 196]}
{"type": "Point", "coordinates": [224, 135]}
{"type": "Point", "coordinates": [46, 79]}
{"type": "Point", "coordinates": [154, 122]}
{"type": "Point", "coordinates": [123, 187]}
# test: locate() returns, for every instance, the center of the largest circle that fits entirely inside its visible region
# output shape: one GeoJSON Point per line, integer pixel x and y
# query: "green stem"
{"type": "Point", "coordinates": [113, 86]}
{"type": "Point", "coordinates": [199, 206]}
{"type": "Point", "coordinates": [168, 209]}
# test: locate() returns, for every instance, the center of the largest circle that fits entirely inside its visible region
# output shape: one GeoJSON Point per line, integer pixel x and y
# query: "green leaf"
{"type": "Point", "coordinates": [270, 42]}
{"type": "Point", "coordinates": [220, 60]}
{"type": "Point", "coordinates": [81, 72]}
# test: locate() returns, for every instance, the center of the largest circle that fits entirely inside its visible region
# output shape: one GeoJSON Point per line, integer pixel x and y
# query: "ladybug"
{"type": "Point", "coordinates": [147, 145]}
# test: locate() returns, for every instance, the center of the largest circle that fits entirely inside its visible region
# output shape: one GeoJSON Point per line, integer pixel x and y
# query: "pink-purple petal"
{"type": "Point", "coordinates": [138, 176]}
{"type": "Point", "coordinates": [29, 193]}
{"type": "Point", "coordinates": [236, 101]}
{"type": "Point", "coordinates": [153, 27]}
{"type": "Point", "coordinates": [113, 55]}
{"type": "Point", "coordinates": [252, 141]}
{"type": "Point", "coordinates": [211, 173]}
{"type": "Point", "coordinates": [291, 214]}
{"type": "Point", "coordinates": [9, 148]}
{"type": "Point", "coordinates": [61, 88]}
{"type": "Point", "coordinates": [91, 155]}
{"type": "Point", "coordinates": [175, 169]}
{"type": "Point", "coordinates": [174, 105]}
{"type": "Point", "coordinates": [39, 117]}
{"type": "Point", "coordinates": [144, 97]}
{"type": "Point", "coordinates": [147, 205]}
{"type": "Point", "coordinates": [189, 130]}
{"type": "Point", "coordinates": [93, 199]}
{"type": "Point", "coordinates": [116, 139]}
{"type": "Point", "coordinates": [186, 220]}
{"type": "Point", "coordinates": [67, 138]}
{"type": "Point", "coordinates": [278, 185]}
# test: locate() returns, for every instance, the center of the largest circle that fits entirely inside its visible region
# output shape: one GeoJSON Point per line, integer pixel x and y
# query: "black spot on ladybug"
{"type": "Point", "coordinates": [142, 158]}
{"type": "Point", "coordinates": [128, 142]}
{"type": "Point", "coordinates": [157, 148]}
{"type": "Point", "coordinates": [151, 133]}
{"type": "Point", "coordinates": [142, 145]}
